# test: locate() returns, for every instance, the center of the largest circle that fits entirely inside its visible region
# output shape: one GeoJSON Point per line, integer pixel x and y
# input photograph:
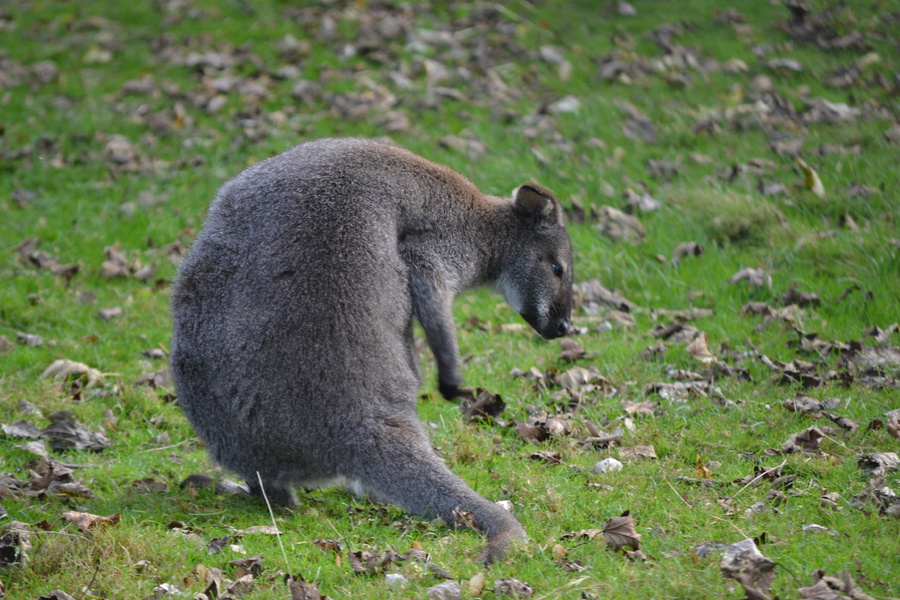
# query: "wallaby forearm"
{"type": "Point", "coordinates": [432, 307]}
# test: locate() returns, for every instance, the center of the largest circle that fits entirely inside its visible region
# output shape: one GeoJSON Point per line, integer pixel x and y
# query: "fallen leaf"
{"type": "Point", "coordinates": [71, 435]}
{"type": "Point", "coordinates": [878, 463]}
{"type": "Point", "coordinates": [637, 452]}
{"type": "Point", "coordinates": [619, 532]}
{"type": "Point", "coordinates": [755, 277]}
{"type": "Point", "coordinates": [619, 226]}
{"type": "Point", "coordinates": [686, 249]}
{"type": "Point", "coordinates": [15, 544]}
{"type": "Point", "coordinates": [108, 314]}
{"type": "Point", "coordinates": [826, 587]}
{"type": "Point", "coordinates": [811, 181]}
{"type": "Point", "coordinates": [22, 429]}
{"type": "Point", "coordinates": [842, 422]}
{"type": "Point", "coordinates": [677, 332]}
{"type": "Point", "coordinates": [571, 350]}
{"type": "Point", "coordinates": [332, 546]}
{"type": "Point", "coordinates": [643, 202]}
{"type": "Point", "coordinates": [531, 433]}
{"type": "Point", "coordinates": [513, 587]}
{"type": "Point", "coordinates": [56, 595]}
{"type": "Point", "coordinates": [64, 369]}
{"type": "Point", "coordinates": [744, 563]}
{"type": "Point", "coordinates": [149, 485]}
{"type": "Point", "coordinates": [699, 350]}
{"type": "Point", "coordinates": [584, 534]}
{"type": "Point", "coordinates": [794, 296]}
{"type": "Point", "coordinates": [593, 292]}
{"type": "Point", "coordinates": [805, 404]}
{"type": "Point", "coordinates": [304, 590]}
{"type": "Point", "coordinates": [85, 521]}
{"type": "Point", "coordinates": [641, 129]}
{"type": "Point", "coordinates": [637, 409]}
{"type": "Point", "coordinates": [484, 406]}
{"type": "Point", "coordinates": [546, 456]}
{"type": "Point", "coordinates": [805, 441]}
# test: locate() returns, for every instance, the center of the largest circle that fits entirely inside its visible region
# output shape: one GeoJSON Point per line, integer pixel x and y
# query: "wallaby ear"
{"type": "Point", "coordinates": [537, 206]}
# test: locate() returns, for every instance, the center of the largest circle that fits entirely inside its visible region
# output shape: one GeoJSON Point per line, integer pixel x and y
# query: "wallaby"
{"type": "Point", "coordinates": [293, 353]}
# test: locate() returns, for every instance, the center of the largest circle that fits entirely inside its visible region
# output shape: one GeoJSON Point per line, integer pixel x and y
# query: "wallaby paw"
{"type": "Point", "coordinates": [275, 494]}
{"type": "Point", "coordinates": [498, 545]}
{"type": "Point", "coordinates": [452, 391]}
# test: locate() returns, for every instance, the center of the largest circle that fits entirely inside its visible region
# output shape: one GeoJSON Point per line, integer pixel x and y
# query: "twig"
{"type": "Point", "coordinates": [262, 490]}
{"type": "Point", "coordinates": [736, 528]}
{"type": "Point", "coordinates": [757, 478]}
{"type": "Point", "coordinates": [181, 443]}
{"type": "Point", "coordinates": [828, 437]}
{"type": "Point", "coordinates": [87, 588]}
{"type": "Point", "coordinates": [686, 503]}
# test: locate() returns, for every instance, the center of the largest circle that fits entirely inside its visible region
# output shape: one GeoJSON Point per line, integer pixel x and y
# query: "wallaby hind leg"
{"type": "Point", "coordinates": [403, 468]}
{"type": "Point", "coordinates": [277, 494]}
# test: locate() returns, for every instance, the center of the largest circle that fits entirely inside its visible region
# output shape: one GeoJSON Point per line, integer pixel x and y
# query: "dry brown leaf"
{"type": "Point", "coordinates": [64, 369]}
{"type": "Point", "coordinates": [22, 429]}
{"type": "Point", "coordinates": [619, 532]}
{"type": "Point", "coordinates": [303, 590]}
{"type": "Point", "coordinates": [572, 350]}
{"type": "Point", "coordinates": [56, 595]}
{"type": "Point", "coordinates": [842, 422]}
{"type": "Point", "coordinates": [531, 433]}
{"type": "Point", "coordinates": [637, 452]}
{"type": "Point", "coordinates": [755, 277]}
{"type": "Point", "coordinates": [811, 179]}
{"type": "Point", "coordinates": [794, 296]}
{"type": "Point", "coordinates": [482, 405]}
{"type": "Point", "coordinates": [593, 292]}
{"type": "Point", "coordinates": [699, 350]}
{"type": "Point", "coordinates": [826, 587]}
{"type": "Point", "coordinates": [546, 456]}
{"type": "Point", "coordinates": [332, 546]}
{"type": "Point", "coordinates": [513, 587]}
{"type": "Point", "coordinates": [893, 428]}
{"type": "Point", "coordinates": [85, 521]}
{"type": "Point", "coordinates": [71, 435]}
{"type": "Point", "coordinates": [584, 534]}
{"type": "Point", "coordinates": [805, 404]}
{"type": "Point", "coordinates": [619, 226]}
{"type": "Point", "coordinates": [686, 249]}
{"type": "Point", "coordinates": [15, 543]}
{"type": "Point", "coordinates": [638, 409]}
{"type": "Point", "coordinates": [744, 563]}
{"type": "Point", "coordinates": [805, 441]}
{"type": "Point", "coordinates": [878, 463]}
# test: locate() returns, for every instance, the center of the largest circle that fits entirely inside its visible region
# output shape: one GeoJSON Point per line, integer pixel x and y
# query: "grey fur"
{"type": "Point", "coordinates": [293, 351]}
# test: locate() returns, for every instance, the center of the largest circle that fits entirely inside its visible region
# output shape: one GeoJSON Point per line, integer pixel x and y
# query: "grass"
{"type": "Point", "coordinates": [60, 184]}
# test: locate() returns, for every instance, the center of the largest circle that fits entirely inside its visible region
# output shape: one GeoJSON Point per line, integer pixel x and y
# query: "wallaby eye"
{"type": "Point", "coordinates": [557, 269]}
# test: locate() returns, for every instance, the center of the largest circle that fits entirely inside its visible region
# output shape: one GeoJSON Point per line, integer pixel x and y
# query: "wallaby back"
{"type": "Point", "coordinates": [292, 352]}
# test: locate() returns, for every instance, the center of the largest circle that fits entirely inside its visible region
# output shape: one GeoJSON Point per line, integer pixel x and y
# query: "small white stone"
{"type": "Point", "coordinates": [395, 579]}
{"type": "Point", "coordinates": [607, 465]}
{"type": "Point", "coordinates": [448, 590]}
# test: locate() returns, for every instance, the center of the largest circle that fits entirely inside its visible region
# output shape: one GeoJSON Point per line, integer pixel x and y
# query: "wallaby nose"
{"type": "Point", "coordinates": [563, 328]}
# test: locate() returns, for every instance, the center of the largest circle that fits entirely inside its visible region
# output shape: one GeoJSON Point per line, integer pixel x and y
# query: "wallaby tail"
{"type": "Point", "coordinates": [413, 477]}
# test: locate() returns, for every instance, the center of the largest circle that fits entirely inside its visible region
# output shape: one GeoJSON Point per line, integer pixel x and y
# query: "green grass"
{"type": "Point", "coordinates": [54, 138]}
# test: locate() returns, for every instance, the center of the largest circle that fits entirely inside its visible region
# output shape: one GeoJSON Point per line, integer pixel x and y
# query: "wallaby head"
{"type": "Point", "coordinates": [537, 278]}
